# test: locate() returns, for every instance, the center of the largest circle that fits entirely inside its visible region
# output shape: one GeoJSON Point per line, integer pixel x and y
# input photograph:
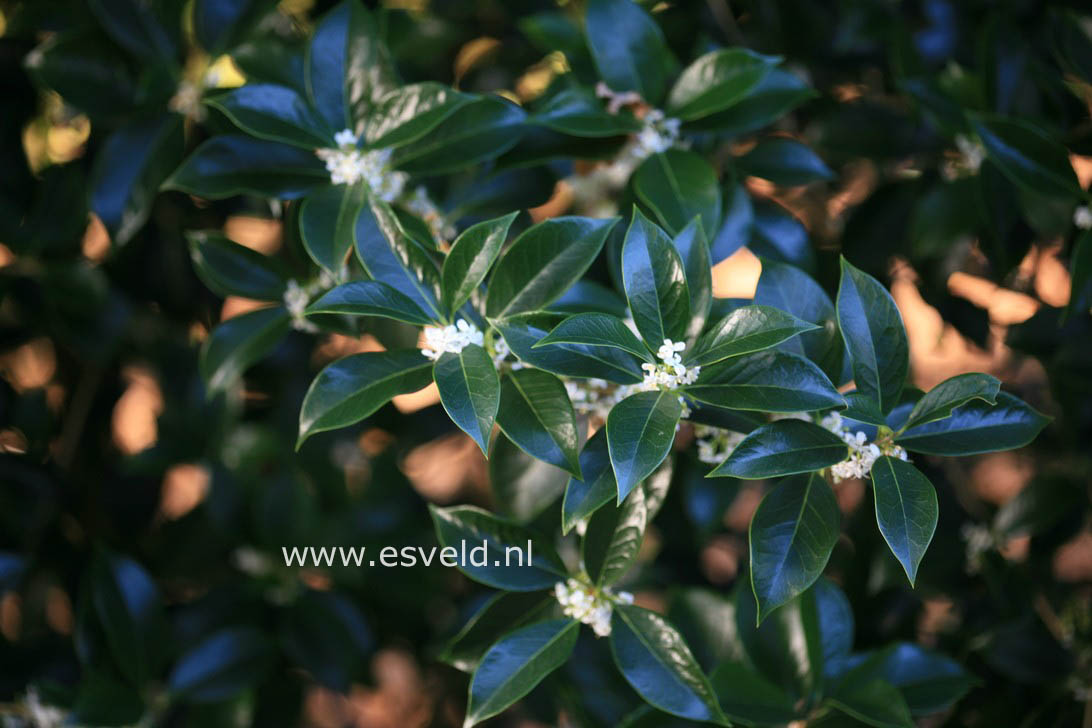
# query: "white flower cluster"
{"type": "Point", "coordinates": [1082, 217]}
{"type": "Point", "coordinates": [591, 606]}
{"type": "Point", "coordinates": [670, 373]}
{"type": "Point", "coordinates": [979, 540]}
{"type": "Point", "coordinates": [715, 444]}
{"type": "Point", "coordinates": [658, 134]}
{"type": "Point", "coordinates": [39, 714]}
{"type": "Point", "coordinates": [970, 158]}
{"type": "Point", "coordinates": [421, 205]}
{"type": "Point", "coordinates": [862, 453]}
{"type": "Point", "coordinates": [187, 98]}
{"type": "Point", "coordinates": [595, 397]}
{"type": "Point", "coordinates": [452, 338]}
{"type": "Point", "coordinates": [347, 165]}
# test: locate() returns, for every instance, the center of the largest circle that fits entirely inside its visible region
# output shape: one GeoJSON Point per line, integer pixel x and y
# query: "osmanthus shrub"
{"type": "Point", "coordinates": [584, 352]}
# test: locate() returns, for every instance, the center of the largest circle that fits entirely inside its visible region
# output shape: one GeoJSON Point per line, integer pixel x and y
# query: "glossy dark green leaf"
{"type": "Point", "coordinates": [328, 223]}
{"type": "Point", "coordinates": [408, 113]}
{"type": "Point", "coordinates": [792, 535]}
{"type": "Point", "coordinates": [770, 381]}
{"type": "Point", "coordinates": [354, 387]}
{"type": "Point", "coordinates": [655, 659]}
{"type": "Point", "coordinates": [348, 68]}
{"type": "Point", "coordinates": [521, 333]}
{"type": "Point", "coordinates": [746, 696]}
{"type": "Point", "coordinates": [693, 247]}
{"type": "Point", "coordinates": [906, 510]}
{"type": "Point", "coordinates": [746, 330]}
{"type": "Point", "coordinates": [146, 30]}
{"type": "Point", "coordinates": [523, 486]}
{"type": "Point", "coordinates": [956, 391]}
{"type": "Point", "coordinates": [504, 563]}
{"type": "Point", "coordinates": [874, 334]}
{"type": "Point", "coordinates": [861, 407]}
{"type": "Point", "coordinates": [928, 681]}
{"type": "Point", "coordinates": [232, 164]}
{"type": "Point", "coordinates": [640, 432]}
{"type": "Point", "coordinates": [222, 665]}
{"type": "Point", "coordinates": [240, 341]}
{"type": "Point", "coordinates": [677, 185]}
{"type": "Point", "coordinates": [1027, 155]}
{"type": "Point", "coordinates": [588, 296]}
{"type": "Point", "coordinates": [231, 269]}
{"type": "Point", "coordinates": [221, 24]}
{"type": "Point", "coordinates": [628, 48]}
{"type": "Point", "coordinates": [717, 81]}
{"type": "Point", "coordinates": [873, 701]}
{"type": "Point", "coordinates": [369, 298]}
{"type": "Point", "coordinates": [90, 74]}
{"type": "Point", "coordinates": [476, 131]}
{"type": "Point", "coordinates": [543, 262]}
{"type": "Point", "coordinates": [276, 113]}
{"type": "Point", "coordinates": [655, 282]}
{"type": "Point", "coordinates": [597, 486]}
{"type": "Point", "coordinates": [737, 225]}
{"type": "Point", "coordinates": [783, 447]}
{"type": "Point", "coordinates": [977, 427]}
{"type": "Point", "coordinates": [503, 613]}
{"type": "Point", "coordinates": [597, 329]}
{"type": "Point", "coordinates": [613, 538]}
{"type": "Point", "coordinates": [470, 258]}
{"type": "Point", "coordinates": [778, 234]}
{"type": "Point", "coordinates": [391, 256]}
{"type": "Point", "coordinates": [785, 162]}
{"type": "Point", "coordinates": [324, 633]}
{"type": "Point", "coordinates": [536, 414]}
{"type": "Point", "coordinates": [578, 112]}
{"type": "Point", "coordinates": [128, 608]}
{"type": "Point", "coordinates": [129, 170]}
{"type": "Point", "coordinates": [470, 391]}
{"type": "Point", "coordinates": [786, 646]}
{"type": "Point", "coordinates": [516, 664]}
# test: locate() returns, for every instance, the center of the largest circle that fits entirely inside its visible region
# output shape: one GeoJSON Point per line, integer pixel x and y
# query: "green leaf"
{"type": "Point", "coordinates": [873, 331]}
{"type": "Point", "coordinates": [628, 48]}
{"type": "Point", "coordinates": [129, 609]}
{"type": "Point", "coordinates": [640, 432]}
{"type": "Point", "coordinates": [237, 343]}
{"type": "Point", "coordinates": [655, 282]}
{"type": "Point", "coordinates": [523, 486]}
{"type": "Point", "coordinates": [597, 329]}
{"type": "Point", "coordinates": [230, 269]}
{"type": "Point", "coordinates": [503, 613]}
{"type": "Point", "coordinates": [521, 333]}
{"type": "Point", "coordinates": [956, 391]}
{"type": "Point", "coordinates": [350, 389]}
{"type": "Point", "coordinates": [576, 111]}
{"type": "Point", "coordinates": [222, 665]}
{"type": "Point", "coordinates": [1080, 275]}
{"type": "Point", "coordinates": [906, 510]}
{"type": "Point", "coordinates": [717, 81]}
{"type": "Point", "coordinates": [792, 535]}
{"type": "Point", "coordinates": [232, 164]}
{"type": "Point", "coordinates": [977, 427]}
{"type": "Point", "coordinates": [784, 162]}
{"type": "Point", "coordinates": [389, 255]}
{"type": "Point", "coordinates": [148, 31]}
{"type": "Point", "coordinates": [514, 558]}
{"type": "Point", "coordinates": [328, 223]}
{"type": "Point", "coordinates": [746, 330]}
{"type": "Point", "coordinates": [655, 660]}
{"type": "Point", "coordinates": [481, 129]}
{"type": "Point", "coordinates": [770, 381]}
{"type": "Point", "coordinates": [783, 447]}
{"type": "Point", "coordinates": [276, 113]}
{"type": "Point", "coordinates": [597, 486]}
{"type": "Point", "coordinates": [369, 298]}
{"type": "Point", "coordinates": [543, 262]}
{"type": "Point", "coordinates": [929, 682]}
{"type": "Point", "coordinates": [863, 408]}
{"type": "Point", "coordinates": [1029, 157]}
{"type": "Point", "coordinates": [408, 113]}
{"type": "Point", "coordinates": [516, 664]}
{"type": "Point", "coordinates": [470, 391]}
{"type": "Point", "coordinates": [613, 539]}
{"type": "Point", "coordinates": [693, 247]}
{"type": "Point", "coordinates": [536, 414]}
{"type": "Point", "coordinates": [470, 258]}
{"type": "Point", "coordinates": [88, 73]}
{"type": "Point", "coordinates": [678, 185]}
{"type": "Point", "coordinates": [748, 697]}
{"type": "Point", "coordinates": [873, 701]}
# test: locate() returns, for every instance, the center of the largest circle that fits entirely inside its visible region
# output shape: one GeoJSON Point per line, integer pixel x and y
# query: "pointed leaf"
{"type": "Point", "coordinates": [476, 131]}
{"type": "Point", "coordinates": [628, 48]}
{"type": "Point", "coordinates": [521, 333]}
{"type": "Point", "coordinates": [516, 664]}
{"type": "Point", "coordinates": [408, 113]}
{"type": "Point", "coordinates": [597, 486]}
{"type": "Point", "coordinates": [775, 95]}
{"type": "Point", "coordinates": [770, 381]}
{"type": "Point", "coordinates": [906, 510]}
{"type": "Point", "coordinates": [222, 665]}
{"type": "Point", "coordinates": [231, 269]}
{"type": "Point", "coordinates": [129, 610]}
{"type": "Point", "coordinates": [276, 113]}
{"type": "Point", "coordinates": [597, 329]}
{"type": "Point", "coordinates": [578, 112]}
{"type": "Point", "coordinates": [785, 162]}
{"type": "Point", "coordinates": [939, 401]}
{"type": "Point", "coordinates": [536, 414]}
{"type": "Point", "coordinates": [717, 81]}
{"type": "Point", "coordinates": [232, 164]}
{"type": "Point", "coordinates": [470, 391]}
{"type": "Point", "coordinates": [655, 282]}
{"type": "Point", "coordinates": [929, 682]}
{"type": "Point", "coordinates": [392, 257]}
{"type": "Point", "coordinates": [350, 389]}
{"type": "Point", "coordinates": [748, 697]}
{"type": "Point", "coordinates": [640, 432]}
{"type": "Point", "coordinates": [328, 223]}
{"type": "Point", "coordinates": [369, 298]}
{"type": "Point", "coordinates": [613, 539]}
{"type": "Point", "coordinates": [1027, 155]}
{"type": "Point", "coordinates": [470, 258]}
{"type": "Point", "coordinates": [693, 247]}
{"type": "Point", "coordinates": [977, 427]}
{"type": "Point", "coordinates": [678, 185]}
{"type": "Point", "coordinates": [746, 330]}
{"type": "Point", "coordinates": [523, 486]}
{"type": "Point", "coordinates": [783, 447]}
{"type": "Point", "coordinates": [872, 701]}
{"type": "Point", "coordinates": [503, 613]}
{"type": "Point", "coordinates": [240, 341]}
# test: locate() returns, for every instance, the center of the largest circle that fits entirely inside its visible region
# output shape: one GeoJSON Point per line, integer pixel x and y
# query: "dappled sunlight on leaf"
{"type": "Point", "coordinates": [134, 426]}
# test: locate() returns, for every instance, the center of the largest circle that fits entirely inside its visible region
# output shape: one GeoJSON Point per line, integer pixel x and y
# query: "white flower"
{"type": "Point", "coordinates": [348, 165]}
{"type": "Point", "coordinates": [979, 540]}
{"type": "Point", "coordinates": [862, 453]}
{"type": "Point", "coordinates": [40, 714]}
{"type": "Point", "coordinates": [1082, 217]}
{"type": "Point", "coordinates": [421, 205]}
{"type": "Point", "coordinates": [715, 444]}
{"type": "Point", "coordinates": [451, 338]}
{"type": "Point", "coordinates": [296, 298]}
{"type": "Point", "coordinates": [670, 373]}
{"type": "Point", "coordinates": [589, 605]}
{"type": "Point", "coordinates": [973, 152]}
{"type": "Point", "coordinates": [345, 138]}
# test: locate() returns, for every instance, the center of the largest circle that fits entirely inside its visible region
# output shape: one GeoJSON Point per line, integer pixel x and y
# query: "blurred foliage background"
{"type": "Point", "coordinates": [115, 467]}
